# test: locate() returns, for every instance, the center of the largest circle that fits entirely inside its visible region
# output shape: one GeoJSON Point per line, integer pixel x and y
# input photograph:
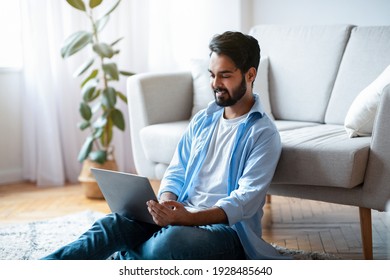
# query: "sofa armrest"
{"type": "Point", "coordinates": [377, 179]}
{"type": "Point", "coordinates": [160, 97]}
{"type": "Point", "coordinates": [156, 98]}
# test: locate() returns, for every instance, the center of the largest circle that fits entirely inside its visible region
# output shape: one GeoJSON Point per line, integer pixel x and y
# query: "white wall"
{"type": "Point", "coordinates": [357, 12]}
{"type": "Point", "coordinates": [10, 126]}
{"type": "Point", "coordinates": [189, 26]}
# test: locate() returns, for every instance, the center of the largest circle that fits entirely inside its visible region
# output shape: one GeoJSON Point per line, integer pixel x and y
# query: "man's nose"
{"type": "Point", "coordinates": [215, 82]}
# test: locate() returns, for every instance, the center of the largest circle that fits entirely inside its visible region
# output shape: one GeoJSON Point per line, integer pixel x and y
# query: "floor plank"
{"type": "Point", "coordinates": [322, 227]}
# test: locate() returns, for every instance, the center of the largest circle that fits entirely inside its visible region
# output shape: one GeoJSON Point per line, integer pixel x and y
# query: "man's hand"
{"type": "Point", "coordinates": [174, 213]}
{"type": "Point", "coordinates": [168, 213]}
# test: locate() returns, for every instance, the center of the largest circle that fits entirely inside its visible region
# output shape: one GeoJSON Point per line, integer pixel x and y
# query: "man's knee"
{"type": "Point", "coordinates": [109, 220]}
{"type": "Point", "coordinates": [169, 242]}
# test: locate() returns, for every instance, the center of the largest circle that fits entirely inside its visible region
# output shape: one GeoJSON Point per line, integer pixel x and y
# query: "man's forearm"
{"type": "Point", "coordinates": [166, 196]}
{"type": "Point", "coordinates": [214, 215]}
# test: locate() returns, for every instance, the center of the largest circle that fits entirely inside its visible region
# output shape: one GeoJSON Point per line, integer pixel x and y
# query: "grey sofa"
{"type": "Point", "coordinates": [310, 78]}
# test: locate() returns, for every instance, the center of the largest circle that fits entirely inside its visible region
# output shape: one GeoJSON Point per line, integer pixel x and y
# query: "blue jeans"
{"type": "Point", "coordinates": [142, 241]}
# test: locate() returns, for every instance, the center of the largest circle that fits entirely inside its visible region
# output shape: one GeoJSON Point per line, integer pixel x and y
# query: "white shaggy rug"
{"type": "Point", "coordinates": [34, 240]}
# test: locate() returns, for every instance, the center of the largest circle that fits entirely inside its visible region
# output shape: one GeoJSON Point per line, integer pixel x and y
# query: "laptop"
{"type": "Point", "coordinates": [126, 193]}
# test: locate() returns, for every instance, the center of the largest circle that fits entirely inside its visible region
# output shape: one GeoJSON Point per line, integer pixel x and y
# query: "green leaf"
{"type": "Point", "coordinates": [111, 70]}
{"type": "Point", "coordinates": [94, 3]}
{"type": "Point", "coordinates": [98, 156]}
{"type": "Point", "coordinates": [97, 105]}
{"type": "Point", "coordinates": [106, 137]}
{"type": "Point", "coordinates": [78, 4]}
{"type": "Point", "coordinates": [85, 149]}
{"type": "Point", "coordinates": [91, 76]}
{"type": "Point", "coordinates": [103, 50]}
{"type": "Point", "coordinates": [100, 122]}
{"type": "Point", "coordinates": [118, 119]}
{"type": "Point", "coordinates": [88, 89]}
{"type": "Point", "coordinates": [75, 42]}
{"type": "Point", "coordinates": [126, 73]}
{"type": "Point", "coordinates": [83, 67]}
{"type": "Point", "coordinates": [95, 95]}
{"type": "Point", "coordinates": [83, 125]}
{"type": "Point", "coordinates": [115, 42]}
{"type": "Point", "coordinates": [113, 8]}
{"type": "Point", "coordinates": [122, 96]}
{"type": "Point", "coordinates": [85, 111]}
{"type": "Point", "coordinates": [101, 23]}
{"type": "Point", "coordinates": [98, 133]}
{"type": "Point", "coordinates": [109, 97]}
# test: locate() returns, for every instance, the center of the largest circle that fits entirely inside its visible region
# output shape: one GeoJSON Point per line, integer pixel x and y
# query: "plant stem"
{"type": "Point", "coordinates": [105, 80]}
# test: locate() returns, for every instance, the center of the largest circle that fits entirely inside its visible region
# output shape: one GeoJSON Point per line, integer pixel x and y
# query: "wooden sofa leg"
{"type": "Point", "coordinates": [366, 232]}
{"type": "Point", "coordinates": [268, 198]}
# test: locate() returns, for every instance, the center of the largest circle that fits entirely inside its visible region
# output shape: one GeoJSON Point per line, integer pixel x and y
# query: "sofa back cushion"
{"type": "Point", "coordinates": [366, 56]}
{"type": "Point", "coordinates": [304, 61]}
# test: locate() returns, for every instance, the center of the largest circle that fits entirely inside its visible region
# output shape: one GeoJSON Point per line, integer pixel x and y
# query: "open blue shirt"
{"type": "Point", "coordinates": [253, 161]}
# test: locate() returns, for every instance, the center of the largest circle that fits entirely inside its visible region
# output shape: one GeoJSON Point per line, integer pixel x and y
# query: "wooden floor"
{"type": "Point", "coordinates": [289, 222]}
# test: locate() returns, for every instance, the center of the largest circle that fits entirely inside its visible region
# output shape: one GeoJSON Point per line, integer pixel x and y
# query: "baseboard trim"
{"type": "Point", "coordinates": [11, 176]}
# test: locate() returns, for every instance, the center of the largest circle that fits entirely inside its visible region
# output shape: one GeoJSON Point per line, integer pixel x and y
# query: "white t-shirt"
{"type": "Point", "coordinates": [211, 184]}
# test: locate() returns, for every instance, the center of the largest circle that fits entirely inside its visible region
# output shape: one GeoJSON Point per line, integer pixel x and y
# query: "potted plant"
{"type": "Point", "coordinates": [98, 106]}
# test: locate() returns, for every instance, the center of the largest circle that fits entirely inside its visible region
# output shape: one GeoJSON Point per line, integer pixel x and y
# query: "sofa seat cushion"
{"type": "Point", "coordinates": [287, 125]}
{"type": "Point", "coordinates": [322, 155]}
{"type": "Point", "coordinates": [159, 141]}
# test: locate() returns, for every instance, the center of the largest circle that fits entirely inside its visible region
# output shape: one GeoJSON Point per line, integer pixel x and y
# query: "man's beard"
{"type": "Point", "coordinates": [229, 99]}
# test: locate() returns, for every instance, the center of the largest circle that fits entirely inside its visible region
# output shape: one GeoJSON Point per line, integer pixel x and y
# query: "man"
{"type": "Point", "coordinates": [212, 194]}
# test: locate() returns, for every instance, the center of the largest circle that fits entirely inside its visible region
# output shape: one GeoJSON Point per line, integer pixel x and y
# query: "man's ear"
{"type": "Point", "coordinates": [251, 74]}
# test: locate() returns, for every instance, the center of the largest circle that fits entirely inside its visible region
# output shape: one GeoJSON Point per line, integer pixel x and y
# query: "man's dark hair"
{"type": "Point", "coordinates": [243, 49]}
